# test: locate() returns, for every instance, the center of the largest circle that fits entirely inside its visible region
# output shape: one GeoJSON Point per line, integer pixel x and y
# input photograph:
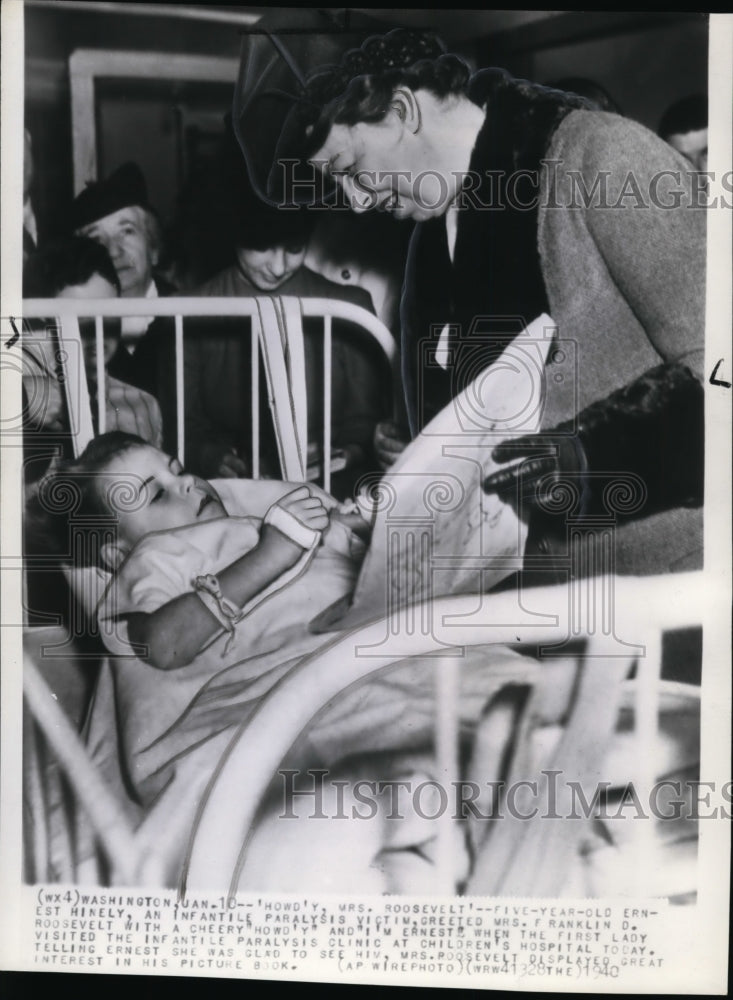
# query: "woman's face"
{"type": "Point", "coordinates": [385, 165]}
{"type": "Point", "coordinates": [269, 269]}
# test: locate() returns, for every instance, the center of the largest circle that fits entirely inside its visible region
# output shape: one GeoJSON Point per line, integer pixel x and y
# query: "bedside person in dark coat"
{"type": "Point", "coordinates": [271, 247]}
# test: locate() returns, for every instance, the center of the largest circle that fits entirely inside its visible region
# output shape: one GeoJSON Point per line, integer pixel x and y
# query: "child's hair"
{"type": "Point", "coordinates": [71, 492]}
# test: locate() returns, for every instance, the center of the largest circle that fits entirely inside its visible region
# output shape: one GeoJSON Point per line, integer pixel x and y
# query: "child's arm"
{"type": "Point", "coordinates": [174, 634]}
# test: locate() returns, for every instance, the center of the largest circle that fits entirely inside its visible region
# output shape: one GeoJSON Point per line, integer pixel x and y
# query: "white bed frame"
{"type": "Point", "coordinates": [277, 332]}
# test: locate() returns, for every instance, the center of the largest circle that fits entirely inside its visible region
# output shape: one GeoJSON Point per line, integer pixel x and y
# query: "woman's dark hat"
{"type": "Point", "coordinates": [270, 112]}
{"type": "Point", "coordinates": [262, 226]}
{"type": "Point", "coordinates": [123, 188]}
{"type": "Point", "coordinates": [286, 77]}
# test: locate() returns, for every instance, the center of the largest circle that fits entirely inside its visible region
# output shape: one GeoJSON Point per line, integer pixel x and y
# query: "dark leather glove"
{"type": "Point", "coordinates": [545, 460]}
{"type": "Point", "coordinates": [652, 429]}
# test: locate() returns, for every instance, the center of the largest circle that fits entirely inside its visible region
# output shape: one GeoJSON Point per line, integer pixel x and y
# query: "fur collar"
{"type": "Point", "coordinates": [494, 286]}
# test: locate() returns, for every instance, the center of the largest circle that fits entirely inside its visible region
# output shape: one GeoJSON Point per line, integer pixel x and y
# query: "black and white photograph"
{"type": "Point", "coordinates": [365, 457]}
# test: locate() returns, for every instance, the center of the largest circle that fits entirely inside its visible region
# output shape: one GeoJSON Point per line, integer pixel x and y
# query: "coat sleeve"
{"type": "Point", "coordinates": [648, 223]}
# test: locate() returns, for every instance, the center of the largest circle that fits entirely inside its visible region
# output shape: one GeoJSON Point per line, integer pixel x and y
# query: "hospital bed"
{"type": "Point", "coordinates": [618, 718]}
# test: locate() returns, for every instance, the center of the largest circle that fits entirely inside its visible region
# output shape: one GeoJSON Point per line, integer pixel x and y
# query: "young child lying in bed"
{"type": "Point", "coordinates": [205, 606]}
{"type": "Point", "coordinates": [172, 533]}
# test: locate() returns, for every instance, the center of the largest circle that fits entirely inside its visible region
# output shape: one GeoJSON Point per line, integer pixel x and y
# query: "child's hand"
{"type": "Point", "coordinates": [300, 517]}
{"type": "Point", "coordinates": [308, 509]}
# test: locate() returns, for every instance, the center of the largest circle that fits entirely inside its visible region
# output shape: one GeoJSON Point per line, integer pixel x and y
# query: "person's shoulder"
{"type": "Point", "coordinates": [597, 140]}
{"type": "Point", "coordinates": [317, 285]}
{"type": "Point", "coordinates": [226, 283]}
{"type": "Point", "coordinates": [587, 126]}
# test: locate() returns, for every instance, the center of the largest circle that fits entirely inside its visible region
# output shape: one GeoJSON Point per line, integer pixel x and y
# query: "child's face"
{"type": "Point", "coordinates": [147, 491]}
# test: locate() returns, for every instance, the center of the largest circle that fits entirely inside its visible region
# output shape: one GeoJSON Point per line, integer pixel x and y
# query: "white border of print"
{"type": "Point", "coordinates": [704, 942]}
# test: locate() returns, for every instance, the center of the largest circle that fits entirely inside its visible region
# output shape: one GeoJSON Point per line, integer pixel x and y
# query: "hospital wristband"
{"type": "Point", "coordinates": [292, 528]}
{"type": "Point", "coordinates": [208, 589]}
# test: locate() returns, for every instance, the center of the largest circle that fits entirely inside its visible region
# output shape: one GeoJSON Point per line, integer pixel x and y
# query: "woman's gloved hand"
{"type": "Point", "coordinates": [541, 462]}
{"type": "Point", "coordinates": [650, 432]}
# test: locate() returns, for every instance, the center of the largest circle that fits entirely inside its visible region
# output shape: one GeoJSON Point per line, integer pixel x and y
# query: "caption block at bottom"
{"type": "Point", "coordinates": [381, 937]}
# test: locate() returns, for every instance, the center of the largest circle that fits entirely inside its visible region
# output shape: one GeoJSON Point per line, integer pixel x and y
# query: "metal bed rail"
{"type": "Point", "coordinates": [276, 332]}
